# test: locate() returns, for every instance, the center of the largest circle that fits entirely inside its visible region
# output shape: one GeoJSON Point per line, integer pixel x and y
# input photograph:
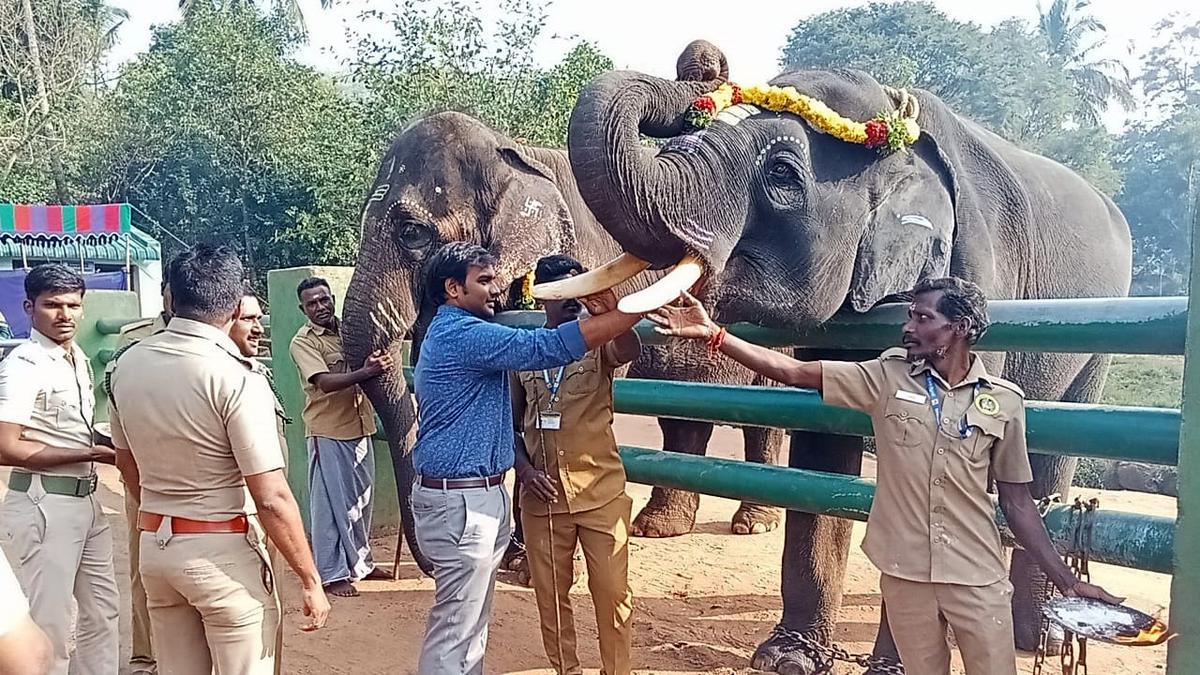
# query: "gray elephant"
{"type": "Point", "coordinates": [791, 225]}
{"type": "Point", "coordinates": [448, 177]}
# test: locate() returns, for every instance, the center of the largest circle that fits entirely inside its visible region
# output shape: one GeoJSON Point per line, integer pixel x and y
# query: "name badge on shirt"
{"type": "Point", "coordinates": [549, 420]}
{"type": "Point", "coordinates": [910, 396]}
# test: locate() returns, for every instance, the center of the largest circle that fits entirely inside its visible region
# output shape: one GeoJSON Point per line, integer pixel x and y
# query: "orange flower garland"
{"type": "Point", "coordinates": [888, 132]}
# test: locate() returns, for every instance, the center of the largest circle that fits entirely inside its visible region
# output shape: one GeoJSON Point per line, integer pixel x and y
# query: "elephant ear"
{"type": "Point", "coordinates": [528, 215]}
{"type": "Point", "coordinates": [908, 235]}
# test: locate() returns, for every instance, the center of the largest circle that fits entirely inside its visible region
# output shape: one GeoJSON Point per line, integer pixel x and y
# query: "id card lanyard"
{"type": "Point", "coordinates": [550, 419]}
{"type": "Point", "coordinates": [935, 402]}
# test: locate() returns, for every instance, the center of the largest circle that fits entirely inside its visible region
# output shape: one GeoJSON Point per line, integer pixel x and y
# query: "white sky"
{"type": "Point", "coordinates": [647, 35]}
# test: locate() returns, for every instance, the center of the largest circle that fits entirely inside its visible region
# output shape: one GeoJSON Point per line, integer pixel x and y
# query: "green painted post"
{"type": "Point", "coordinates": [1183, 652]}
{"type": "Point", "coordinates": [102, 307]}
{"type": "Point", "coordinates": [286, 320]}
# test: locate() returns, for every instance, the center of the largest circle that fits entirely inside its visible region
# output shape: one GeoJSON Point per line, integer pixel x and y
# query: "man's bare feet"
{"type": "Point", "coordinates": [377, 574]}
{"type": "Point", "coordinates": [342, 589]}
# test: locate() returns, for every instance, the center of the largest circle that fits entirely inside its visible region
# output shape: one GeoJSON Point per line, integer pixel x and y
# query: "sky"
{"type": "Point", "coordinates": [647, 35]}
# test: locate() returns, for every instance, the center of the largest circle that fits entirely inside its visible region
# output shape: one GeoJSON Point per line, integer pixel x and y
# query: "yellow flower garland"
{"type": "Point", "coordinates": [889, 131]}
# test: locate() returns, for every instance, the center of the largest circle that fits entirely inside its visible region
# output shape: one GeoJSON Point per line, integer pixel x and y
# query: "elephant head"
{"type": "Point", "coordinates": [791, 224]}
{"type": "Point", "coordinates": [446, 177]}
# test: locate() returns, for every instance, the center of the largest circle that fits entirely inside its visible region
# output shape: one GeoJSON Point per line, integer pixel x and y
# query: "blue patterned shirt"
{"type": "Point", "coordinates": [464, 410]}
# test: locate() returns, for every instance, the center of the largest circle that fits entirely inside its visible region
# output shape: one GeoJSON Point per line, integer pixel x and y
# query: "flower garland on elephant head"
{"type": "Point", "coordinates": [887, 132]}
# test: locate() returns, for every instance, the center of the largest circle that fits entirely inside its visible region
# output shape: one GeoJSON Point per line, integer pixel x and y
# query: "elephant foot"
{"type": "Point", "coordinates": [756, 519]}
{"type": "Point", "coordinates": [785, 654]}
{"type": "Point", "coordinates": [669, 513]}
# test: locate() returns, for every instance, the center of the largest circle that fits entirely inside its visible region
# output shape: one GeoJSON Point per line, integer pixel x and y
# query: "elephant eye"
{"type": "Point", "coordinates": [414, 235]}
{"type": "Point", "coordinates": [782, 171]}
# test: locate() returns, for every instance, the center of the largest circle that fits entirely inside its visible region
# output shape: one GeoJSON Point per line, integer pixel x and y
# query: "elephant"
{"type": "Point", "coordinates": [791, 225]}
{"type": "Point", "coordinates": [448, 177]}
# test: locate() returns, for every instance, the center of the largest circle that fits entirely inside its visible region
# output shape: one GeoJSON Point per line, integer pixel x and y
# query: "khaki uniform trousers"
{"type": "Point", "coordinates": [981, 617]}
{"type": "Point", "coordinates": [141, 657]}
{"type": "Point", "coordinates": [62, 547]}
{"type": "Point", "coordinates": [603, 534]}
{"type": "Point", "coordinates": [208, 592]}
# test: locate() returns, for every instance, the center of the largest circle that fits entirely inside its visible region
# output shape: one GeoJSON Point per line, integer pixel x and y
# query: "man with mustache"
{"type": "Point", "coordinates": [52, 519]}
{"type": "Point", "coordinates": [247, 333]}
{"type": "Point", "coordinates": [573, 486]}
{"type": "Point", "coordinates": [465, 438]}
{"type": "Point", "coordinates": [338, 423]}
{"type": "Point", "coordinates": [942, 424]}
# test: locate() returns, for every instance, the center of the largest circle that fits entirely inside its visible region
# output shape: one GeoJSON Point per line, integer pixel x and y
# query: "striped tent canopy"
{"type": "Point", "coordinates": [93, 223]}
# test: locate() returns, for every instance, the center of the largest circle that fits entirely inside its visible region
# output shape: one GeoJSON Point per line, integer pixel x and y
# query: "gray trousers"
{"type": "Point", "coordinates": [464, 534]}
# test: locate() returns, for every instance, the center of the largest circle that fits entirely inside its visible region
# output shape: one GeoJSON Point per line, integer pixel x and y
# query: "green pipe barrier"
{"type": "Point", "coordinates": [1085, 326]}
{"type": "Point", "coordinates": [1125, 539]}
{"type": "Point", "coordinates": [1076, 429]}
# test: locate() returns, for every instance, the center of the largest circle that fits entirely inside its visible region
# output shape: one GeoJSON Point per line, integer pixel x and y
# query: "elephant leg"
{"type": "Point", "coordinates": [670, 513]}
{"type": "Point", "coordinates": [762, 446]}
{"type": "Point", "coordinates": [814, 564]}
{"type": "Point", "coordinates": [1051, 474]}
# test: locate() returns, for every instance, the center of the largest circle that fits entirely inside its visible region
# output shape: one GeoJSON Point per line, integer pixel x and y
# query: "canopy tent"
{"type": "Point", "coordinates": [97, 232]}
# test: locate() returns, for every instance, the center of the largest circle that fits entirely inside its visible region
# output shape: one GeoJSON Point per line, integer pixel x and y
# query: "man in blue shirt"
{"type": "Point", "coordinates": [465, 439]}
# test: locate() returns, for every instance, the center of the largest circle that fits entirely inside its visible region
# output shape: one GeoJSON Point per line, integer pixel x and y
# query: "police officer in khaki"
{"type": "Point", "coordinates": [188, 427]}
{"type": "Point", "coordinates": [941, 424]}
{"type": "Point", "coordinates": [573, 487]}
{"type": "Point", "coordinates": [247, 334]}
{"type": "Point", "coordinates": [141, 657]}
{"type": "Point", "coordinates": [54, 529]}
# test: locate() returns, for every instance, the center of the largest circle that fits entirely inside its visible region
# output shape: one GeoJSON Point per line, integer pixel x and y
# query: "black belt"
{"type": "Point", "coordinates": [462, 483]}
{"type": "Point", "coordinates": [69, 486]}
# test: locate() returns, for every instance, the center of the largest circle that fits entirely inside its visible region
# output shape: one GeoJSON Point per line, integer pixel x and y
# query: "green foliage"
{"type": "Point", "coordinates": [1005, 78]}
{"type": "Point", "coordinates": [219, 136]}
{"type": "Point", "coordinates": [1144, 380]}
{"type": "Point", "coordinates": [424, 56]}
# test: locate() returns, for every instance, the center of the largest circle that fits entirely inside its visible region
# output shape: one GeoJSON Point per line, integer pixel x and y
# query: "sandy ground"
{"type": "Point", "coordinates": [702, 601]}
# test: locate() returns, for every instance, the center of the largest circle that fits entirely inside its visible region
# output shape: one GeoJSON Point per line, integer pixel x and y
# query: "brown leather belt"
{"type": "Point", "coordinates": [462, 483]}
{"type": "Point", "coordinates": [150, 522]}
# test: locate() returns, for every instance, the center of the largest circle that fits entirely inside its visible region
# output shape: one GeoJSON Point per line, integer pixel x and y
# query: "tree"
{"type": "Point", "coordinates": [221, 137]}
{"type": "Point", "coordinates": [1004, 78]}
{"type": "Point", "coordinates": [288, 10]}
{"type": "Point", "coordinates": [1073, 35]}
{"type": "Point", "coordinates": [427, 56]}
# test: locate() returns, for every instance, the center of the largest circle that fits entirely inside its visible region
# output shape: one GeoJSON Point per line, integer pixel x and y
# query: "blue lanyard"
{"type": "Point", "coordinates": [554, 385]}
{"type": "Point", "coordinates": [935, 402]}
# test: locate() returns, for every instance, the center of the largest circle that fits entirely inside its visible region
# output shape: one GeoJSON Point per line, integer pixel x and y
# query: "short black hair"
{"type": "Point", "coordinates": [206, 283]}
{"type": "Point", "coordinates": [960, 298]}
{"type": "Point", "coordinates": [555, 266]}
{"type": "Point", "coordinates": [311, 282]}
{"type": "Point", "coordinates": [52, 278]}
{"type": "Point", "coordinates": [452, 262]}
{"type": "Point", "coordinates": [248, 290]}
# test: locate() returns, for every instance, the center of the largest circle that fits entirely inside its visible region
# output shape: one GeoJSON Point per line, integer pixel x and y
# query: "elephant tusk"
{"type": "Point", "coordinates": [682, 276]}
{"type": "Point", "coordinates": [612, 273]}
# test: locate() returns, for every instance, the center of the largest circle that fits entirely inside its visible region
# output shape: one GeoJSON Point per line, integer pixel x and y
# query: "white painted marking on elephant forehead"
{"type": "Point", "coordinates": [437, 189]}
{"type": "Point", "coordinates": [379, 193]}
{"type": "Point", "coordinates": [532, 208]}
{"type": "Point", "coordinates": [416, 208]}
{"type": "Point", "coordinates": [734, 115]}
{"type": "Point", "coordinates": [762, 154]}
{"type": "Point", "coordinates": [391, 165]}
{"type": "Point", "coordinates": [916, 219]}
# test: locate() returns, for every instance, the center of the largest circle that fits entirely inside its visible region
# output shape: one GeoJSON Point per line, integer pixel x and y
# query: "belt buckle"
{"type": "Point", "coordinates": [88, 483]}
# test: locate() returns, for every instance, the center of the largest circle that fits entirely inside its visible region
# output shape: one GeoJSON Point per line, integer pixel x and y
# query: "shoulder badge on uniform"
{"type": "Point", "coordinates": [987, 404]}
{"type": "Point", "coordinates": [1011, 386]}
{"type": "Point", "coordinates": [895, 353]}
{"type": "Point", "coordinates": [136, 325]}
{"type": "Point", "coordinates": [112, 364]}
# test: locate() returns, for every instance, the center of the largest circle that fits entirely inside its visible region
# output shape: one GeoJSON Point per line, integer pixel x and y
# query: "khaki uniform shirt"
{"type": "Point", "coordinates": [581, 456]}
{"type": "Point", "coordinates": [341, 415]}
{"type": "Point", "coordinates": [50, 396]}
{"type": "Point", "coordinates": [932, 519]}
{"type": "Point", "coordinates": [196, 417]}
{"type": "Point", "coordinates": [139, 330]}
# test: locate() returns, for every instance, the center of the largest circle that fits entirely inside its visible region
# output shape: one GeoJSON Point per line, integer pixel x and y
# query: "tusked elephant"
{"type": "Point", "coordinates": [448, 177]}
{"type": "Point", "coordinates": [791, 225]}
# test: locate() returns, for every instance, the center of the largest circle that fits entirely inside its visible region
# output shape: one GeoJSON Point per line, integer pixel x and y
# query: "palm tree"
{"type": "Point", "coordinates": [1072, 35]}
{"type": "Point", "coordinates": [106, 21]}
{"type": "Point", "coordinates": [288, 8]}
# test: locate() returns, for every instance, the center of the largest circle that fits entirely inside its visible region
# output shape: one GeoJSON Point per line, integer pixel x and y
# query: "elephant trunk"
{"type": "Point", "coordinates": [378, 312]}
{"type": "Point", "coordinates": [645, 200]}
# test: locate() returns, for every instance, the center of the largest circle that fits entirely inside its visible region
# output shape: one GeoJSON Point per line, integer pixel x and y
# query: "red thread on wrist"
{"type": "Point", "coordinates": [715, 342]}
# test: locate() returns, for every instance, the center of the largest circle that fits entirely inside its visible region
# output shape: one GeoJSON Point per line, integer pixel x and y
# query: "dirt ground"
{"type": "Point", "coordinates": [702, 601]}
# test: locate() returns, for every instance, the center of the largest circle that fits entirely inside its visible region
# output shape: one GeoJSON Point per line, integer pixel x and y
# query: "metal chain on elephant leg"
{"type": "Point", "coordinates": [1077, 556]}
{"type": "Point", "coordinates": [824, 655]}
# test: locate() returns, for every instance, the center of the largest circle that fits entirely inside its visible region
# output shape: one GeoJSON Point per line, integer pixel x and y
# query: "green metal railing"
{"type": "Point", "coordinates": [1125, 539]}
{"type": "Point", "coordinates": [1085, 326]}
